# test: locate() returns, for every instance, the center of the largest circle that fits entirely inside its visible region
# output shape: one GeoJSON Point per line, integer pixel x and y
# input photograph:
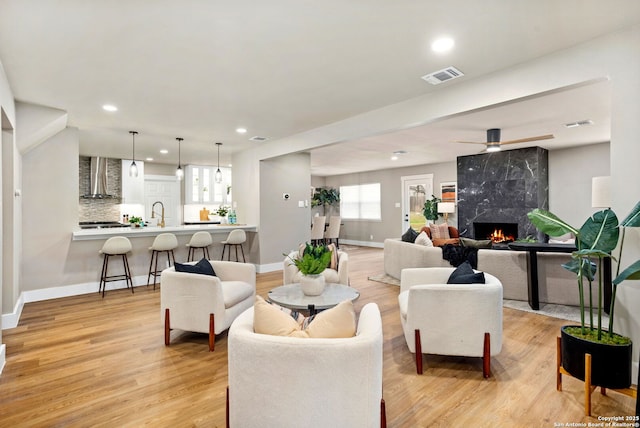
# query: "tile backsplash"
{"type": "Point", "coordinates": [100, 209]}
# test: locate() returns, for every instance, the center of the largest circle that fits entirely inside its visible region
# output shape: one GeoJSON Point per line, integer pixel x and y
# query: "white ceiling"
{"type": "Point", "coordinates": [198, 70]}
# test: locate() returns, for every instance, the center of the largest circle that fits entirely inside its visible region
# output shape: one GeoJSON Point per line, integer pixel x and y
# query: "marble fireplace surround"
{"type": "Point", "coordinates": [502, 187]}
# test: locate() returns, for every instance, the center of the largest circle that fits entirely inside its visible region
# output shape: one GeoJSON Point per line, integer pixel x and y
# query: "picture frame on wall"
{"type": "Point", "coordinates": [449, 191]}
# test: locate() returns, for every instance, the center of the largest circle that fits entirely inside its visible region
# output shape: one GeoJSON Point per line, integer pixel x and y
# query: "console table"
{"type": "Point", "coordinates": [533, 248]}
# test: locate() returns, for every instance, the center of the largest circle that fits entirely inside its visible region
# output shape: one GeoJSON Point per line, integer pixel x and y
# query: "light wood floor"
{"type": "Point", "coordinates": [86, 361]}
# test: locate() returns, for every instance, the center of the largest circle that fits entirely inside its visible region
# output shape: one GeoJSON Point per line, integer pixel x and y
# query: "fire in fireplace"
{"type": "Point", "coordinates": [496, 232]}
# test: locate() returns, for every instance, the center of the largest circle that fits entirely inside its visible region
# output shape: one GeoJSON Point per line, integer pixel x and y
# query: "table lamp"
{"type": "Point", "coordinates": [446, 208]}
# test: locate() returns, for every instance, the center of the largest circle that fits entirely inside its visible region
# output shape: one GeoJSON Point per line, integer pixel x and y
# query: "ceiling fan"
{"type": "Point", "coordinates": [493, 142]}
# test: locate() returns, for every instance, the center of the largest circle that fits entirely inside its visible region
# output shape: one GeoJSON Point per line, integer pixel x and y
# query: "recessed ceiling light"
{"type": "Point", "coordinates": [149, 159]}
{"type": "Point", "coordinates": [443, 44]}
{"type": "Point", "coordinates": [230, 165]}
{"type": "Point", "coordinates": [241, 130]}
{"type": "Point", "coordinates": [109, 107]}
{"type": "Point", "coordinates": [394, 158]}
{"type": "Point", "coordinates": [164, 151]}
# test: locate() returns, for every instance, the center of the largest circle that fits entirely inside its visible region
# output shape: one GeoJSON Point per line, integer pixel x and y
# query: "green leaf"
{"type": "Point", "coordinates": [632, 272]}
{"type": "Point", "coordinates": [549, 223]}
{"type": "Point", "coordinates": [588, 268]}
{"type": "Point", "coordinates": [600, 231]}
{"type": "Point", "coordinates": [633, 219]}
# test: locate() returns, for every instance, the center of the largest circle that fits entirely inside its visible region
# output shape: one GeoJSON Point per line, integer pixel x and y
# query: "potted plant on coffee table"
{"type": "Point", "coordinates": [596, 239]}
{"type": "Point", "coordinates": [314, 260]}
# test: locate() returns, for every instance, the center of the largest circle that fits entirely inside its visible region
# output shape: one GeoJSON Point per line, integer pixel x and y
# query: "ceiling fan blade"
{"type": "Point", "coordinates": [525, 140]}
{"type": "Point", "coordinates": [468, 142]}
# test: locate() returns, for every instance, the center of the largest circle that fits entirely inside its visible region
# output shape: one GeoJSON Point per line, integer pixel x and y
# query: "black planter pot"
{"type": "Point", "coordinates": [610, 364]}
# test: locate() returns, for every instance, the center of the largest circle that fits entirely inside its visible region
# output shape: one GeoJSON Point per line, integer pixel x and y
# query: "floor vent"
{"type": "Point", "coordinates": [443, 75]}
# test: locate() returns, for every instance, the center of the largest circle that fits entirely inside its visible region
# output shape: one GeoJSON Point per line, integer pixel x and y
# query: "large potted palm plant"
{"type": "Point", "coordinates": [595, 240]}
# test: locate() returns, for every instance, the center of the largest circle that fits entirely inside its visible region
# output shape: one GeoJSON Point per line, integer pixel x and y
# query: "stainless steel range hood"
{"type": "Point", "coordinates": [98, 179]}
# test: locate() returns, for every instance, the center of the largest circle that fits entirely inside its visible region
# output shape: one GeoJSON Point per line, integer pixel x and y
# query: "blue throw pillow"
{"type": "Point", "coordinates": [464, 274]}
{"type": "Point", "coordinates": [203, 267]}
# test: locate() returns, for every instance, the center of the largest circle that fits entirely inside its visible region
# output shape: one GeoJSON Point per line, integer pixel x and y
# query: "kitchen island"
{"type": "Point", "coordinates": [138, 232]}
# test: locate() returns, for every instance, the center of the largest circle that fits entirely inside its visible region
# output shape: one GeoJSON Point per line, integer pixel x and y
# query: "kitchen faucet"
{"type": "Point", "coordinates": [153, 213]}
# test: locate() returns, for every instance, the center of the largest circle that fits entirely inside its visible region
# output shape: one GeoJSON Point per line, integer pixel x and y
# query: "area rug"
{"type": "Point", "coordinates": [571, 313]}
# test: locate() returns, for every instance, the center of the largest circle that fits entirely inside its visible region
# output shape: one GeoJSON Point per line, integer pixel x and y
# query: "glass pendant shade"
{"type": "Point", "coordinates": [179, 171]}
{"type": "Point", "coordinates": [133, 169]}
{"type": "Point", "coordinates": [218, 175]}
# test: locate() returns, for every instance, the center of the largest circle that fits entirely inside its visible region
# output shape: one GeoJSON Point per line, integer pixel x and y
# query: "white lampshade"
{"type": "Point", "coordinates": [446, 207]}
{"type": "Point", "coordinates": [601, 192]}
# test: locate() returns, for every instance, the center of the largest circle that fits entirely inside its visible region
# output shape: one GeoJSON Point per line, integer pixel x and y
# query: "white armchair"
{"type": "Point", "coordinates": [203, 303]}
{"type": "Point", "coordinates": [291, 274]}
{"type": "Point", "coordinates": [450, 319]}
{"type": "Point", "coordinates": [303, 382]}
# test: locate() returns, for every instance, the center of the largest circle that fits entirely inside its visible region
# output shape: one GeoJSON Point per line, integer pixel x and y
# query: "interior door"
{"type": "Point", "coordinates": [416, 189]}
{"type": "Point", "coordinates": [167, 191]}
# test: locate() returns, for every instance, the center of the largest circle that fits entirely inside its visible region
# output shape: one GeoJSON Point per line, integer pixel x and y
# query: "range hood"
{"type": "Point", "coordinates": [98, 179]}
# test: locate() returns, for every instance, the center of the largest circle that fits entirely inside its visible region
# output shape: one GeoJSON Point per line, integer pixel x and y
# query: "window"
{"type": "Point", "coordinates": [360, 202]}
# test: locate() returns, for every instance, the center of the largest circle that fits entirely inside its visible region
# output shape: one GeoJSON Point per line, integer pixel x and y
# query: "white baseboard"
{"type": "Point", "coordinates": [362, 243]}
{"type": "Point", "coordinates": [11, 320]}
{"type": "Point", "coordinates": [271, 267]}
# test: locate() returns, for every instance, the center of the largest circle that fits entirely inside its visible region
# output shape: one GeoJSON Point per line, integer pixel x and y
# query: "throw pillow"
{"type": "Point", "coordinates": [333, 262]}
{"type": "Point", "coordinates": [472, 243]}
{"type": "Point", "coordinates": [464, 274]}
{"type": "Point", "coordinates": [438, 242]}
{"type": "Point", "coordinates": [410, 235]}
{"type": "Point", "coordinates": [337, 322]}
{"type": "Point", "coordinates": [440, 231]}
{"type": "Point", "coordinates": [203, 267]}
{"type": "Point", "coordinates": [268, 319]}
{"type": "Point", "coordinates": [423, 239]}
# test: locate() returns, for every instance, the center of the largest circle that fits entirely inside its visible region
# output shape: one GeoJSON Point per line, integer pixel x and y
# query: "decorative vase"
{"type": "Point", "coordinates": [312, 285]}
{"type": "Point", "coordinates": [610, 364]}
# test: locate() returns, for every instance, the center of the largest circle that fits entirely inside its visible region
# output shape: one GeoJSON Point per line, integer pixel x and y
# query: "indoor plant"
{"type": "Point", "coordinates": [135, 221]}
{"type": "Point", "coordinates": [314, 260]}
{"type": "Point", "coordinates": [596, 239]}
{"type": "Point", "coordinates": [325, 196]}
{"type": "Point", "coordinates": [430, 209]}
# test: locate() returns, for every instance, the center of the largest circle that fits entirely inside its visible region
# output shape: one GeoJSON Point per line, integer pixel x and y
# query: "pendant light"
{"type": "Point", "coordinates": [218, 176]}
{"type": "Point", "coordinates": [179, 172]}
{"type": "Point", "coordinates": [133, 169]}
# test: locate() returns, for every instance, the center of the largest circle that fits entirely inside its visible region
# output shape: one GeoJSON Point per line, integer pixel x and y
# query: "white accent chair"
{"type": "Point", "coordinates": [203, 303]}
{"type": "Point", "coordinates": [284, 382]}
{"type": "Point", "coordinates": [450, 319]}
{"type": "Point", "coordinates": [291, 274]}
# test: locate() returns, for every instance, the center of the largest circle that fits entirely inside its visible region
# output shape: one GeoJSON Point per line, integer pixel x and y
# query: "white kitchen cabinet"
{"type": "Point", "coordinates": [132, 187]}
{"type": "Point", "coordinates": [201, 188]}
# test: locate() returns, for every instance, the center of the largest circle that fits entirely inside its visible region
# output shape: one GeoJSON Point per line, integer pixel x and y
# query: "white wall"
{"type": "Point", "coordinates": [283, 224]}
{"type": "Point", "coordinates": [50, 198]}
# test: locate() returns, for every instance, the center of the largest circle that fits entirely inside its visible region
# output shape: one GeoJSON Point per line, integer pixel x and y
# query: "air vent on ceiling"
{"type": "Point", "coordinates": [257, 138]}
{"type": "Point", "coordinates": [443, 75]}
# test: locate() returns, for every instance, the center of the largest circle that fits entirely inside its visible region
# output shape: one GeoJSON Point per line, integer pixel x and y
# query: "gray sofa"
{"type": "Point", "coordinates": [556, 284]}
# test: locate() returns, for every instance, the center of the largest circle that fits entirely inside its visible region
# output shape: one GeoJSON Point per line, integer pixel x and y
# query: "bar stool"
{"type": "Point", "coordinates": [236, 238]}
{"type": "Point", "coordinates": [199, 240]}
{"type": "Point", "coordinates": [116, 246]}
{"type": "Point", "coordinates": [164, 243]}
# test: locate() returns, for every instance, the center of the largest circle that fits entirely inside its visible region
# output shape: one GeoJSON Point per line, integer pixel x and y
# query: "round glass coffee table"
{"type": "Point", "coordinates": [291, 296]}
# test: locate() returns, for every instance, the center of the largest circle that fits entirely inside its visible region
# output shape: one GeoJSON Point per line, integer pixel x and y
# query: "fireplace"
{"type": "Point", "coordinates": [497, 232]}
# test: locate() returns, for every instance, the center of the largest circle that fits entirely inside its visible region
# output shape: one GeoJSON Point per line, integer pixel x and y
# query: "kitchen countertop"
{"type": "Point", "coordinates": [91, 234]}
